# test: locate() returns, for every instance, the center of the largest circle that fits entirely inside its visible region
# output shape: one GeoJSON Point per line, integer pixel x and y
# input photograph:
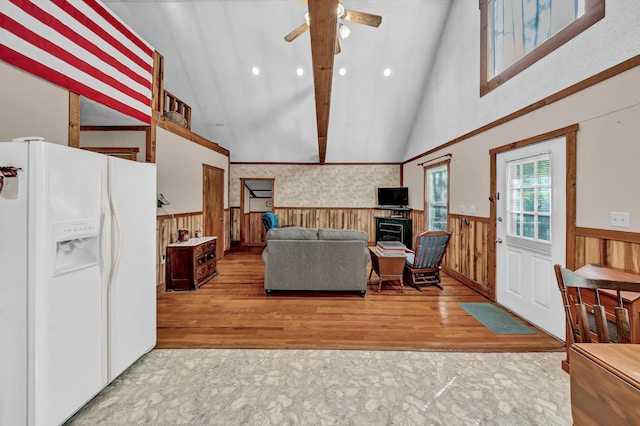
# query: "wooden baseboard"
{"type": "Point", "coordinates": [466, 281]}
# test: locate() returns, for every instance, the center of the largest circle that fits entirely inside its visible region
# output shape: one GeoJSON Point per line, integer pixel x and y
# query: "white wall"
{"type": "Point", "coordinates": [607, 152]}
{"type": "Point", "coordinates": [607, 114]}
{"type": "Point", "coordinates": [318, 185]}
{"type": "Point", "coordinates": [116, 139]}
{"type": "Point", "coordinates": [259, 205]}
{"type": "Point", "coordinates": [180, 171]}
{"type": "Point", "coordinates": [31, 106]}
{"type": "Point", "coordinates": [452, 105]}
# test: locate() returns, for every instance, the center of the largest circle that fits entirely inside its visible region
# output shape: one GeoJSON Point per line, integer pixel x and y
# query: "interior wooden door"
{"type": "Point", "coordinates": [213, 205]}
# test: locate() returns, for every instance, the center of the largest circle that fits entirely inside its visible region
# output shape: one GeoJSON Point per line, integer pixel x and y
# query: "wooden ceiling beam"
{"type": "Point", "coordinates": [323, 23]}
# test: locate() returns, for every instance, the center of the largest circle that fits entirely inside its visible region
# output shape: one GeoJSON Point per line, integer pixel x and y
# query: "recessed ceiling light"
{"type": "Point", "coordinates": [255, 71]}
{"type": "Point", "coordinates": [300, 72]}
{"type": "Point", "coordinates": [342, 71]}
{"type": "Point", "coordinates": [386, 72]}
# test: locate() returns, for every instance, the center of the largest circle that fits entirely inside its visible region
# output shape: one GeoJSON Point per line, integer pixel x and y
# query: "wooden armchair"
{"type": "Point", "coordinates": [616, 329]}
{"type": "Point", "coordinates": [422, 267]}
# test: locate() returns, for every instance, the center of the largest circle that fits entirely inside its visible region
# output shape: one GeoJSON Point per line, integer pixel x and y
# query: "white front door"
{"type": "Point", "coordinates": [531, 232]}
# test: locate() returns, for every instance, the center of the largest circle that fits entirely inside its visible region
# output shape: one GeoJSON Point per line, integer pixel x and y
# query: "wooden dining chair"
{"type": "Point", "coordinates": [570, 285]}
{"type": "Point", "coordinates": [422, 266]}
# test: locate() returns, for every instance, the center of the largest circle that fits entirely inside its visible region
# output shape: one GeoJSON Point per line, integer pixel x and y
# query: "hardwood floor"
{"type": "Point", "coordinates": [232, 311]}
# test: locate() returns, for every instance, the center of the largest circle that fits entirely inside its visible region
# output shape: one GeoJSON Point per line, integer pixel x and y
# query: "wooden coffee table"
{"type": "Point", "coordinates": [387, 268]}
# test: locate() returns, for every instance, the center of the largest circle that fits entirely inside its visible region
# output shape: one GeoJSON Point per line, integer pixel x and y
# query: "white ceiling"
{"type": "Point", "coordinates": [210, 46]}
{"type": "Point", "coordinates": [260, 188]}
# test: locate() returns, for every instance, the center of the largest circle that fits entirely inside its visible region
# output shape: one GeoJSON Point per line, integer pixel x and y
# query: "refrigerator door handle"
{"type": "Point", "coordinates": [116, 249]}
{"type": "Point", "coordinates": [104, 260]}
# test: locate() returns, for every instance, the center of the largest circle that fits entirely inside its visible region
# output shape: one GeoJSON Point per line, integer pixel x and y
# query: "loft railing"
{"type": "Point", "coordinates": [174, 108]}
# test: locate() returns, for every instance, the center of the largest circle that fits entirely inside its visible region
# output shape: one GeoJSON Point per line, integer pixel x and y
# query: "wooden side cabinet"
{"type": "Point", "coordinates": [191, 263]}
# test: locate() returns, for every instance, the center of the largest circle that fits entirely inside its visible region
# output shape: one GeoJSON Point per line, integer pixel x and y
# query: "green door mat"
{"type": "Point", "coordinates": [496, 319]}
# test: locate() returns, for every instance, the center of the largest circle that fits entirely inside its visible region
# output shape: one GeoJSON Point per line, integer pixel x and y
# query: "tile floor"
{"type": "Point", "coordinates": [329, 387]}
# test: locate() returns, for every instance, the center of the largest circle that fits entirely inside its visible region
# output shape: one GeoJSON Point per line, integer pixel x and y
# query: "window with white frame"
{"type": "Point", "coordinates": [529, 198]}
{"type": "Point", "coordinates": [437, 197]}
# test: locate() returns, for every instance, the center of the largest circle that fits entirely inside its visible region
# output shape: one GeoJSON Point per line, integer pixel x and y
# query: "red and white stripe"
{"type": "Point", "coordinates": [82, 46]}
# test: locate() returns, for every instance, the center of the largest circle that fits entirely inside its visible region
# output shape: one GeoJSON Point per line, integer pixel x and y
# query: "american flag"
{"type": "Point", "coordinates": [82, 46]}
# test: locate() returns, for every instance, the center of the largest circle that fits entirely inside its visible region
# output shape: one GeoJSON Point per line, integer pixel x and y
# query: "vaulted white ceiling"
{"type": "Point", "coordinates": [210, 47]}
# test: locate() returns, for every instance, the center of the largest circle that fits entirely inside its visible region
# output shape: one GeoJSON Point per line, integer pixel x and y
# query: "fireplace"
{"type": "Point", "coordinates": [394, 229]}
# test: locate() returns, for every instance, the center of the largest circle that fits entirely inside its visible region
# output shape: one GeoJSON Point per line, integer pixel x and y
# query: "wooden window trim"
{"type": "Point", "coordinates": [594, 12]}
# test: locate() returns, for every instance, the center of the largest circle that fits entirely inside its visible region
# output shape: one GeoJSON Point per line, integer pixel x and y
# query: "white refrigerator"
{"type": "Point", "coordinates": [77, 276]}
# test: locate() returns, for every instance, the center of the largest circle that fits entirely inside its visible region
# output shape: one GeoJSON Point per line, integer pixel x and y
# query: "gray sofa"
{"type": "Point", "coordinates": [315, 259]}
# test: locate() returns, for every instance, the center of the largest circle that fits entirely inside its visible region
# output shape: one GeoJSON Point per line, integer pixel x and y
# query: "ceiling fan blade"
{"type": "Point", "coordinates": [362, 18]}
{"type": "Point", "coordinates": [295, 33]}
{"type": "Point", "coordinates": [337, 49]}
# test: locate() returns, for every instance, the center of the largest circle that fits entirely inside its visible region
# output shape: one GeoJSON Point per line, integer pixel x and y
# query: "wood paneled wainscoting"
{"type": "Point", "coordinates": [616, 249]}
{"type": "Point", "coordinates": [253, 228]}
{"type": "Point", "coordinates": [166, 233]}
{"type": "Point", "coordinates": [362, 219]}
{"type": "Point", "coordinates": [236, 217]}
{"type": "Point", "coordinates": [338, 218]}
{"type": "Point", "coordinates": [317, 217]}
{"type": "Point", "coordinates": [466, 257]}
{"type": "Point", "coordinates": [227, 231]}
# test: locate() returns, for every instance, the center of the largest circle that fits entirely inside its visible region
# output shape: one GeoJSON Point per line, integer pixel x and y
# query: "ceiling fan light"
{"type": "Point", "coordinates": [344, 31]}
{"type": "Point", "coordinates": [307, 19]}
{"type": "Point", "coordinates": [341, 11]}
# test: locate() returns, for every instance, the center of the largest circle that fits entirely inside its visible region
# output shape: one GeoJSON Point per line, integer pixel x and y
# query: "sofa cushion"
{"type": "Point", "coordinates": [341, 234]}
{"type": "Point", "coordinates": [292, 233]}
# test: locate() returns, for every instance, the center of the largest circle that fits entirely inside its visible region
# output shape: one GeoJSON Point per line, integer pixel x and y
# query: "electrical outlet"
{"type": "Point", "coordinates": [472, 209]}
{"type": "Point", "coordinates": [163, 259]}
{"type": "Point", "coordinates": [620, 219]}
{"type": "Point", "coordinates": [461, 208]}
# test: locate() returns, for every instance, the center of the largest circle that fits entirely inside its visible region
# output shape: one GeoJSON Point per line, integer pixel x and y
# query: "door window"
{"type": "Point", "coordinates": [529, 199]}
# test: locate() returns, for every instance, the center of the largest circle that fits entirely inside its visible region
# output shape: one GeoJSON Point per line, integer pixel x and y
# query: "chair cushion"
{"type": "Point", "coordinates": [409, 261]}
{"type": "Point", "coordinates": [292, 233]}
{"type": "Point", "coordinates": [342, 234]}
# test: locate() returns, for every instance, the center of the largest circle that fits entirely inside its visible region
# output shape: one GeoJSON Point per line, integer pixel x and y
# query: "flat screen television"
{"type": "Point", "coordinates": [393, 197]}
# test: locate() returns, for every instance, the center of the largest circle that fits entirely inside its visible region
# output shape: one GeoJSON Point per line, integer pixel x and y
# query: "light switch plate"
{"type": "Point", "coordinates": [461, 209]}
{"type": "Point", "coordinates": [472, 208]}
{"type": "Point", "coordinates": [620, 219]}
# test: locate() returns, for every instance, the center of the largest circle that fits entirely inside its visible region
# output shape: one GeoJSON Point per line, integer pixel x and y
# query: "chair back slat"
{"type": "Point", "coordinates": [429, 249]}
{"type": "Point", "coordinates": [623, 325]}
{"type": "Point", "coordinates": [580, 329]}
{"type": "Point", "coordinates": [602, 328]}
{"type": "Point", "coordinates": [583, 323]}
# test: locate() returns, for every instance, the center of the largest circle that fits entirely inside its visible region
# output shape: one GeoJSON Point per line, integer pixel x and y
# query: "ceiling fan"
{"type": "Point", "coordinates": [343, 31]}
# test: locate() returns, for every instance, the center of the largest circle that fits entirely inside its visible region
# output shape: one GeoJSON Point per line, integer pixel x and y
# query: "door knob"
{"type": "Point", "coordinates": [499, 240]}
